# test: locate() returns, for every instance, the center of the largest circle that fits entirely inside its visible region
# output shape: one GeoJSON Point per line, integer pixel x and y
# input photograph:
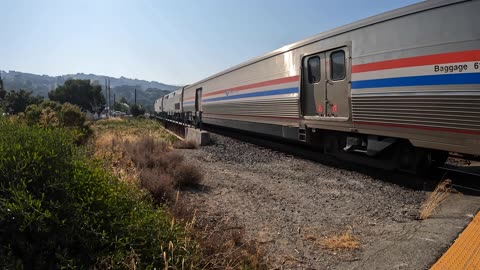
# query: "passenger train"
{"type": "Point", "coordinates": [402, 87]}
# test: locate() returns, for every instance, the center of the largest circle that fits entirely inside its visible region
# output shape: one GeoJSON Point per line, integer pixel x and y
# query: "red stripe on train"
{"type": "Point", "coordinates": [443, 58]}
{"type": "Point", "coordinates": [253, 116]}
{"type": "Point", "coordinates": [253, 85]}
{"type": "Point", "coordinates": [463, 131]}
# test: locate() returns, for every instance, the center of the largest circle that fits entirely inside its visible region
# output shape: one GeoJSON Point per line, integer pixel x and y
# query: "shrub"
{"type": "Point", "coordinates": [137, 110]}
{"type": "Point", "coordinates": [59, 210]}
{"type": "Point", "coordinates": [161, 170]}
{"type": "Point", "coordinates": [55, 106]}
{"type": "Point", "coordinates": [32, 114]}
{"type": "Point", "coordinates": [18, 119]}
{"type": "Point", "coordinates": [187, 175]}
{"type": "Point", "coordinates": [147, 152]}
{"type": "Point", "coordinates": [53, 114]}
{"type": "Point", "coordinates": [71, 116]}
{"type": "Point", "coordinates": [159, 184]}
{"type": "Point", "coordinates": [48, 118]}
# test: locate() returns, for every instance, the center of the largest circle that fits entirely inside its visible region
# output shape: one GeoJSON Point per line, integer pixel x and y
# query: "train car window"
{"type": "Point", "coordinates": [314, 69]}
{"type": "Point", "coordinates": [337, 60]}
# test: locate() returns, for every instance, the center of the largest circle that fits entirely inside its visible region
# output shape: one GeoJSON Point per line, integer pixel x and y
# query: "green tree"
{"type": "Point", "coordinates": [137, 110]}
{"type": "Point", "coordinates": [79, 92]}
{"type": "Point", "coordinates": [123, 100]}
{"type": "Point", "coordinates": [15, 102]}
{"type": "Point", "coordinates": [122, 107]}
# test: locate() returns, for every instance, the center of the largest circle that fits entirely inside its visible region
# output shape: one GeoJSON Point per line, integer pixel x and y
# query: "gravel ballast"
{"type": "Point", "coordinates": [289, 205]}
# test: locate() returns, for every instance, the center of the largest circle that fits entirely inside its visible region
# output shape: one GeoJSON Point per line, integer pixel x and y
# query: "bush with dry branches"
{"type": "Point", "coordinates": [161, 171]}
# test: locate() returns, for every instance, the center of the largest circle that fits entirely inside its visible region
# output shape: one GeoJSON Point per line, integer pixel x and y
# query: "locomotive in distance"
{"type": "Point", "coordinates": [401, 88]}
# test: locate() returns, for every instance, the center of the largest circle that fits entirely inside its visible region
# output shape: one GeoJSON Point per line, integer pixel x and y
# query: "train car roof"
{"type": "Point", "coordinates": [174, 93]}
{"type": "Point", "coordinates": [389, 15]}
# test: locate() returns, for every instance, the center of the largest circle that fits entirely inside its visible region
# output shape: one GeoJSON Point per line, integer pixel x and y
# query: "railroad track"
{"type": "Point", "coordinates": [465, 179]}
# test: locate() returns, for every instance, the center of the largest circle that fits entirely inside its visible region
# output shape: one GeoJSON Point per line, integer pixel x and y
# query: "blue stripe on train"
{"type": "Point", "coordinates": [284, 91]}
{"type": "Point", "coordinates": [445, 79]}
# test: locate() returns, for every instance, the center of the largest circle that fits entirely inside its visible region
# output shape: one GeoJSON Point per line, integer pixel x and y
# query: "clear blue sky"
{"type": "Point", "coordinates": [175, 41]}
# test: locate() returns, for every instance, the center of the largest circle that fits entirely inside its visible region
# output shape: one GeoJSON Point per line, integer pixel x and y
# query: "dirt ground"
{"type": "Point", "coordinates": [288, 206]}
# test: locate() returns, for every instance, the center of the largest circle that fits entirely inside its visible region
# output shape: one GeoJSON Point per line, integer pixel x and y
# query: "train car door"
{"type": "Point", "coordinates": [181, 99]}
{"type": "Point", "coordinates": [325, 85]}
{"type": "Point", "coordinates": [198, 100]}
{"type": "Point", "coordinates": [313, 85]}
{"type": "Point", "coordinates": [337, 102]}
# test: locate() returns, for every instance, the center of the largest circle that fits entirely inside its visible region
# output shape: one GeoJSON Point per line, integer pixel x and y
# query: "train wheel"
{"type": "Point", "coordinates": [404, 156]}
{"type": "Point", "coordinates": [424, 161]}
{"type": "Point", "coordinates": [439, 158]}
{"type": "Point", "coordinates": [413, 159]}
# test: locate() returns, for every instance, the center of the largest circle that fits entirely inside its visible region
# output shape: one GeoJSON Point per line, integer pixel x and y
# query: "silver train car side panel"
{"type": "Point", "coordinates": [412, 73]}
{"type": "Point", "coordinates": [172, 103]}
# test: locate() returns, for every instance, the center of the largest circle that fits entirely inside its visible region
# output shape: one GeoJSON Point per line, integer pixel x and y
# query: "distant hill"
{"type": "Point", "coordinates": [147, 91]}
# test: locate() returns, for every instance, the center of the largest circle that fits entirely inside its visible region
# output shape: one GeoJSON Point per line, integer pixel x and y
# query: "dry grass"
{"type": "Point", "coordinates": [186, 175]}
{"type": "Point", "coordinates": [111, 150]}
{"type": "Point", "coordinates": [187, 144]}
{"type": "Point", "coordinates": [224, 247]}
{"type": "Point", "coordinates": [144, 158]}
{"type": "Point", "coordinates": [161, 171]}
{"type": "Point", "coordinates": [343, 241]}
{"type": "Point", "coordinates": [159, 184]}
{"type": "Point", "coordinates": [147, 152]}
{"type": "Point", "coordinates": [133, 128]}
{"type": "Point", "coordinates": [435, 198]}
{"type": "Point", "coordinates": [221, 240]}
{"type": "Point", "coordinates": [147, 159]}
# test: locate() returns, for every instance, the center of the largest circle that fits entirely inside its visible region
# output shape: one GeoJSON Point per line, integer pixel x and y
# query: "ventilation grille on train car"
{"type": "Point", "coordinates": [287, 107]}
{"type": "Point", "coordinates": [455, 110]}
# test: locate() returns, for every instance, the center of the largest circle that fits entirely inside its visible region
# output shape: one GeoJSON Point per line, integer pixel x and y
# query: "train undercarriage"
{"type": "Point", "coordinates": [377, 151]}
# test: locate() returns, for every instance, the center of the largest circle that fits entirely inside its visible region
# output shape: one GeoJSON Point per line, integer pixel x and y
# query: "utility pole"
{"type": "Point", "coordinates": [1, 83]}
{"type": "Point", "coordinates": [108, 92]}
{"type": "Point", "coordinates": [2, 91]}
{"type": "Point", "coordinates": [106, 99]}
{"type": "Point", "coordinates": [135, 96]}
{"type": "Point", "coordinates": [109, 98]}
